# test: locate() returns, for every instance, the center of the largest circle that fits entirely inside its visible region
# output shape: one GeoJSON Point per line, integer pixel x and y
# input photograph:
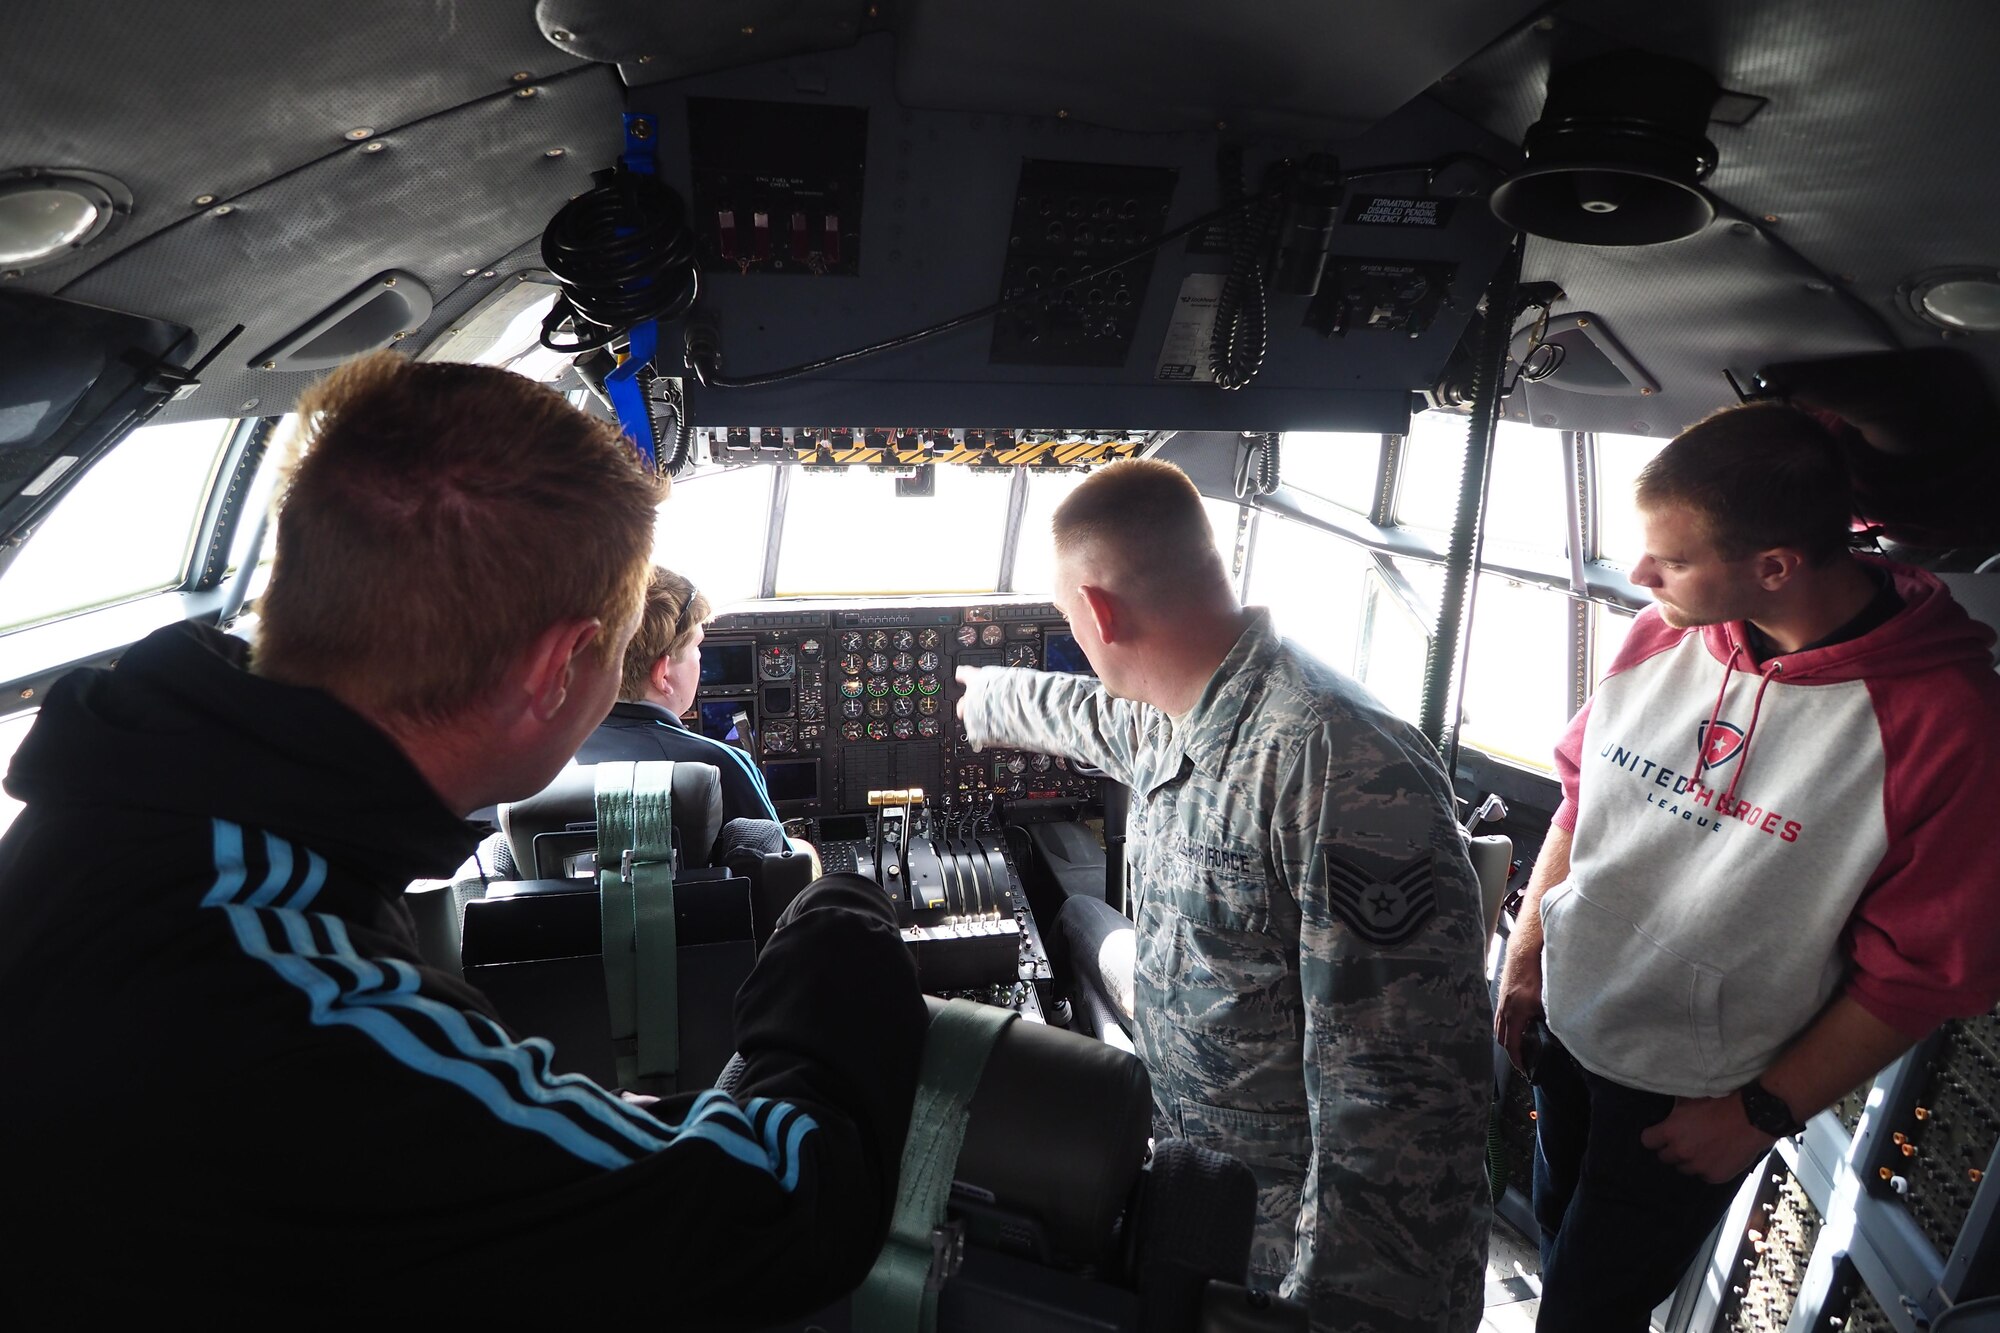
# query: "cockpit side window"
{"type": "Point", "coordinates": [126, 529]}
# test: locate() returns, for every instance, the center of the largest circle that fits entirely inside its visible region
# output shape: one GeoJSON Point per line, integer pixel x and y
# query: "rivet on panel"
{"type": "Point", "coordinates": [388, 282]}
{"type": "Point", "coordinates": [375, 147]}
{"type": "Point", "coordinates": [1062, 113]}
{"type": "Point", "coordinates": [487, 274]}
{"type": "Point", "coordinates": [1770, 217]}
{"type": "Point", "coordinates": [1645, 390]}
{"type": "Point", "coordinates": [203, 200]}
{"type": "Point", "coordinates": [749, 30]}
{"type": "Point", "coordinates": [1583, 323]}
{"type": "Point", "coordinates": [250, 405]}
{"type": "Point", "coordinates": [553, 152]}
{"type": "Point", "coordinates": [472, 273]}
{"type": "Point", "coordinates": [524, 92]}
{"type": "Point", "coordinates": [358, 135]}
{"type": "Point", "coordinates": [27, 694]}
{"type": "Point", "coordinates": [522, 76]}
{"type": "Point", "coordinates": [270, 365]}
{"type": "Point", "coordinates": [221, 211]}
{"type": "Point", "coordinates": [645, 60]}
{"type": "Point", "coordinates": [560, 35]}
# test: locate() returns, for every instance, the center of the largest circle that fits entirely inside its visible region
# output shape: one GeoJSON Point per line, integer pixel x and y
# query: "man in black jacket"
{"type": "Point", "coordinates": [233, 1087]}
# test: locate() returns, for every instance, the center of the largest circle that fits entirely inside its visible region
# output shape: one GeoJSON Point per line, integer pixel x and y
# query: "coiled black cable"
{"type": "Point", "coordinates": [1237, 344]}
{"type": "Point", "coordinates": [1257, 465]}
{"type": "Point", "coordinates": [624, 253]}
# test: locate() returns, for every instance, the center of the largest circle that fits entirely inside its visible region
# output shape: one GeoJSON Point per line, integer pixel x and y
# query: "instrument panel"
{"type": "Point", "coordinates": [837, 701]}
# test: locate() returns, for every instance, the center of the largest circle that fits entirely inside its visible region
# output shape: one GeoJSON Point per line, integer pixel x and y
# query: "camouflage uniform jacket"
{"type": "Point", "coordinates": [1310, 986]}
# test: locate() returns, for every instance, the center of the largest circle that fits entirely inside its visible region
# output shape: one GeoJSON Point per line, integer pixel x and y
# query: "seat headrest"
{"type": "Point", "coordinates": [572, 800]}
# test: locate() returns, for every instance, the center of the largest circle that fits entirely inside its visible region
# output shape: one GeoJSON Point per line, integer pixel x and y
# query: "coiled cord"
{"type": "Point", "coordinates": [1237, 344]}
{"type": "Point", "coordinates": [1257, 465]}
{"type": "Point", "coordinates": [624, 253]}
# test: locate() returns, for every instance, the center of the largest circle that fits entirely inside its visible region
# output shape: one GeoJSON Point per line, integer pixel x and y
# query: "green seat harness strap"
{"type": "Point", "coordinates": [635, 878]}
{"type": "Point", "coordinates": [901, 1291]}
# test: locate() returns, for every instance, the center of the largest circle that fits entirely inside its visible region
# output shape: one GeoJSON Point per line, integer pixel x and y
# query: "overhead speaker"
{"type": "Point", "coordinates": [1618, 155]}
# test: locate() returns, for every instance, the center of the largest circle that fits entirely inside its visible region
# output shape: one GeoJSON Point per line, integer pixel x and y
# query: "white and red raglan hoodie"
{"type": "Point", "coordinates": [1751, 838]}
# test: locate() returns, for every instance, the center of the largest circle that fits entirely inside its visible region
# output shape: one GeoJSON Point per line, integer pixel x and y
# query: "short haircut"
{"type": "Point", "coordinates": [1759, 476]}
{"type": "Point", "coordinates": [674, 611]}
{"type": "Point", "coordinates": [433, 520]}
{"type": "Point", "coordinates": [1141, 521]}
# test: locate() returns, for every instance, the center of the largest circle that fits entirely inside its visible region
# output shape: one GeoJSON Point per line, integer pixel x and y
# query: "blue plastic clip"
{"type": "Point", "coordinates": [628, 399]}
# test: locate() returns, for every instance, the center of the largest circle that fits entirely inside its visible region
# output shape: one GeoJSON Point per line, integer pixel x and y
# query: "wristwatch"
{"type": "Point", "coordinates": [1768, 1111]}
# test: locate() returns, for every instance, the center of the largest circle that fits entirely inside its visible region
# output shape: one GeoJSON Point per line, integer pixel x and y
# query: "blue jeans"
{"type": "Point", "coordinates": [1619, 1226]}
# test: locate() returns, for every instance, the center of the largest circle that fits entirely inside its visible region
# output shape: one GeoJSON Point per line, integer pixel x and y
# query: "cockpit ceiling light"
{"type": "Point", "coordinates": [47, 214]}
{"type": "Point", "coordinates": [1617, 157]}
{"type": "Point", "coordinates": [1962, 300]}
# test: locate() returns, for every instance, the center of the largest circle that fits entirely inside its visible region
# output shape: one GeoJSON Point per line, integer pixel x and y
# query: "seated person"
{"type": "Point", "coordinates": [224, 1048]}
{"type": "Point", "coordinates": [662, 669]}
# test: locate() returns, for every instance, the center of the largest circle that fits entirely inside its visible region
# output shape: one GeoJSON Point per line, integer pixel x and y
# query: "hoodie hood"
{"type": "Point", "coordinates": [1931, 632]}
{"type": "Point", "coordinates": [182, 727]}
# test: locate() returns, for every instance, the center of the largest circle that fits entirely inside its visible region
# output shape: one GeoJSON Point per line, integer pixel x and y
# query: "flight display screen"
{"type": "Point", "coordinates": [730, 664]}
{"type": "Point", "coordinates": [1061, 652]}
{"type": "Point", "coordinates": [792, 779]}
{"type": "Point", "coordinates": [718, 720]}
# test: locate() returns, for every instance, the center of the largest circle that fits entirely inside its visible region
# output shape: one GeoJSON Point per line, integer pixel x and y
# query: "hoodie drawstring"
{"type": "Point", "coordinates": [1702, 743]}
{"type": "Point", "coordinates": [1771, 673]}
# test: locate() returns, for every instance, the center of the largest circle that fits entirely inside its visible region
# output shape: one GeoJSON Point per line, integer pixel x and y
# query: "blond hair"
{"type": "Point", "coordinates": [674, 611]}
{"type": "Point", "coordinates": [1141, 524]}
{"type": "Point", "coordinates": [432, 520]}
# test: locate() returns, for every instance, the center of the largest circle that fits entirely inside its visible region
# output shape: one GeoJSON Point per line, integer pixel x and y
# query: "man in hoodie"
{"type": "Point", "coordinates": [228, 1067]}
{"type": "Point", "coordinates": [1771, 872]}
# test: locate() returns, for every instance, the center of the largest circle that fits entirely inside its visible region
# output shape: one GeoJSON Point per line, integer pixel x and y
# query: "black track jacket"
{"type": "Point", "coordinates": [232, 1088]}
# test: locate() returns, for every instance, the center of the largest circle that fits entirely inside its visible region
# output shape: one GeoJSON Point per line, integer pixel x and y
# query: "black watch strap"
{"type": "Point", "coordinates": [1768, 1111]}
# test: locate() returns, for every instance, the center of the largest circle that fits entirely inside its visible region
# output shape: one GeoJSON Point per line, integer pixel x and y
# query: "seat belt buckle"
{"type": "Point", "coordinates": [625, 866]}
{"type": "Point", "coordinates": [947, 1254]}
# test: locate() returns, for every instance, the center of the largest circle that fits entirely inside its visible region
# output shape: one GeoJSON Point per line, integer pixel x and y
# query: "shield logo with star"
{"type": "Point", "coordinates": [1719, 743]}
{"type": "Point", "coordinates": [1384, 909]}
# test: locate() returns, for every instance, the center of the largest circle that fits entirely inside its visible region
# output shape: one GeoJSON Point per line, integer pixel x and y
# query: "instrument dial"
{"type": "Point", "coordinates": [878, 663]}
{"type": "Point", "coordinates": [1020, 654]}
{"type": "Point", "coordinates": [1016, 764]}
{"type": "Point", "coordinates": [850, 731]}
{"type": "Point", "coordinates": [852, 708]}
{"type": "Point", "coordinates": [991, 635]}
{"type": "Point", "coordinates": [905, 686]}
{"type": "Point", "coordinates": [928, 684]}
{"type": "Point", "coordinates": [928, 706]}
{"type": "Point", "coordinates": [809, 649]}
{"type": "Point", "coordinates": [903, 707]}
{"type": "Point", "coordinates": [968, 635]}
{"type": "Point", "coordinates": [777, 663]}
{"type": "Point", "coordinates": [878, 708]}
{"type": "Point", "coordinates": [904, 661]}
{"type": "Point", "coordinates": [850, 641]}
{"type": "Point", "coordinates": [810, 709]}
{"type": "Point", "coordinates": [851, 663]}
{"type": "Point", "coordinates": [779, 738]}
{"type": "Point", "coordinates": [1040, 763]}
{"type": "Point", "coordinates": [927, 662]}
{"type": "Point", "coordinates": [929, 728]}
{"type": "Point", "coordinates": [877, 686]}
{"type": "Point", "coordinates": [851, 688]}
{"type": "Point", "coordinates": [878, 640]}
{"type": "Point", "coordinates": [904, 728]}
{"type": "Point", "coordinates": [930, 638]}
{"type": "Point", "coordinates": [878, 731]}
{"type": "Point", "coordinates": [905, 640]}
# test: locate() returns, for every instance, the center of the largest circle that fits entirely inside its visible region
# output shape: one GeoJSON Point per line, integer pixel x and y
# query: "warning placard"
{"type": "Point", "coordinates": [1184, 351]}
{"type": "Point", "coordinates": [1382, 210]}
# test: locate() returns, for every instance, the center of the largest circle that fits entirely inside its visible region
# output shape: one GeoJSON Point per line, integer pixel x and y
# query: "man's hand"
{"type": "Point", "coordinates": [965, 675]}
{"type": "Point", "coordinates": [1710, 1137]}
{"type": "Point", "coordinates": [1520, 1001]}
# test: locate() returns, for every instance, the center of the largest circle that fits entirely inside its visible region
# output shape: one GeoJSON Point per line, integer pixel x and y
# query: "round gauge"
{"type": "Point", "coordinates": [903, 707]}
{"type": "Point", "coordinates": [851, 663]}
{"type": "Point", "coordinates": [878, 731]}
{"type": "Point", "coordinates": [878, 686]}
{"type": "Point", "coordinates": [905, 686]}
{"type": "Point", "coordinates": [777, 662]}
{"type": "Point", "coordinates": [928, 706]}
{"type": "Point", "coordinates": [1016, 764]}
{"type": "Point", "coordinates": [905, 640]}
{"type": "Point", "coordinates": [1020, 654]}
{"type": "Point", "coordinates": [927, 684]}
{"type": "Point", "coordinates": [778, 737]}
{"type": "Point", "coordinates": [1062, 764]}
{"type": "Point", "coordinates": [1040, 763]}
{"type": "Point", "coordinates": [809, 648]}
{"type": "Point", "coordinates": [968, 635]}
{"type": "Point", "coordinates": [1017, 788]}
{"type": "Point", "coordinates": [850, 731]}
{"type": "Point", "coordinates": [904, 661]}
{"type": "Point", "coordinates": [927, 662]}
{"type": "Point", "coordinates": [850, 641]}
{"type": "Point", "coordinates": [810, 709]}
{"type": "Point", "coordinates": [852, 708]}
{"type": "Point", "coordinates": [929, 727]}
{"type": "Point", "coordinates": [930, 638]}
{"type": "Point", "coordinates": [904, 728]}
{"type": "Point", "coordinates": [878, 640]}
{"type": "Point", "coordinates": [851, 688]}
{"type": "Point", "coordinates": [992, 635]}
{"type": "Point", "coordinates": [878, 708]}
{"type": "Point", "coordinates": [878, 663]}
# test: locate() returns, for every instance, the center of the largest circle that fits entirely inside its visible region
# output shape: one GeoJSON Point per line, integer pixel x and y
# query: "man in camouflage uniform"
{"type": "Point", "coordinates": [1310, 991]}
